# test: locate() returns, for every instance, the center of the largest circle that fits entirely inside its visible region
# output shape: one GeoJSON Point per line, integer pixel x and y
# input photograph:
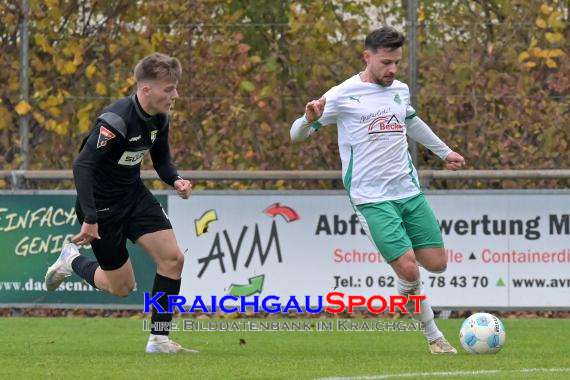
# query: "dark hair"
{"type": "Point", "coordinates": [158, 66]}
{"type": "Point", "coordinates": [384, 38]}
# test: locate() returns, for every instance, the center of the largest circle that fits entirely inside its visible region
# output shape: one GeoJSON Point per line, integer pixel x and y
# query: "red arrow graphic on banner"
{"type": "Point", "coordinates": [287, 213]}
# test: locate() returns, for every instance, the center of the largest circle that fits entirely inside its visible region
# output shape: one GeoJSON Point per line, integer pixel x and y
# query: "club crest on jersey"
{"type": "Point", "coordinates": [397, 99]}
{"type": "Point", "coordinates": [104, 136]}
{"type": "Point", "coordinates": [153, 135]}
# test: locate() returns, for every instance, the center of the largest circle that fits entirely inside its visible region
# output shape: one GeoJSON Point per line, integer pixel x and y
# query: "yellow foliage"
{"type": "Point", "coordinates": [9, 19]}
{"type": "Point", "coordinates": [62, 128]}
{"type": "Point", "coordinates": [85, 111]}
{"type": "Point", "coordinates": [157, 184]}
{"type": "Point", "coordinates": [156, 39]}
{"type": "Point", "coordinates": [523, 56]}
{"type": "Point", "coordinates": [554, 37]}
{"type": "Point", "coordinates": [530, 65]}
{"type": "Point", "coordinates": [5, 117]}
{"type": "Point", "coordinates": [39, 117]}
{"type": "Point", "coordinates": [533, 42]}
{"type": "Point", "coordinates": [540, 23]}
{"type": "Point", "coordinates": [51, 124]}
{"type": "Point", "coordinates": [535, 52]}
{"type": "Point", "coordinates": [23, 108]}
{"type": "Point", "coordinates": [421, 14]}
{"type": "Point", "coordinates": [91, 70]}
{"type": "Point", "coordinates": [69, 49]}
{"type": "Point", "coordinates": [42, 42]}
{"type": "Point", "coordinates": [54, 13]}
{"type": "Point", "coordinates": [68, 68]}
{"type": "Point", "coordinates": [77, 58]}
{"type": "Point", "coordinates": [52, 3]}
{"type": "Point", "coordinates": [554, 20]}
{"type": "Point", "coordinates": [84, 125]}
{"type": "Point", "coordinates": [54, 111]}
{"type": "Point", "coordinates": [14, 83]}
{"type": "Point", "coordinates": [51, 101]}
{"type": "Point", "coordinates": [101, 89]}
{"type": "Point", "coordinates": [546, 9]}
{"type": "Point", "coordinates": [551, 63]}
{"type": "Point", "coordinates": [555, 53]}
{"type": "Point", "coordinates": [41, 93]}
{"type": "Point", "coordinates": [84, 116]}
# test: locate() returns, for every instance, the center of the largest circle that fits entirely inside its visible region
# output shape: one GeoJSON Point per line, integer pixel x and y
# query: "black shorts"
{"type": "Point", "coordinates": [133, 217]}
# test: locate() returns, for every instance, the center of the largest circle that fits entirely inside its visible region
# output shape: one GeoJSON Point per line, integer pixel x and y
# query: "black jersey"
{"type": "Point", "coordinates": [107, 169]}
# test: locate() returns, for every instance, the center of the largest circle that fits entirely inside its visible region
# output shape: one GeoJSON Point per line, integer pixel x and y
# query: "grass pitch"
{"type": "Point", "coordinates": [106, 348]}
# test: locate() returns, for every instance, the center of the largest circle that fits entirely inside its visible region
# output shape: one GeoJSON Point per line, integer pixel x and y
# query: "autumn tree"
{"type": "Point", "coordinates": [493, 76]}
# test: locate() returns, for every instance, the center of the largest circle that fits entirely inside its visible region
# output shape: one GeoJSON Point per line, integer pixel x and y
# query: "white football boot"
{"type": "Point", "coordinates": [163, 344]}
{"type": "Point", "coordinates": [441, 346]}
{"type": "Point", "coordinates": [61, 269]}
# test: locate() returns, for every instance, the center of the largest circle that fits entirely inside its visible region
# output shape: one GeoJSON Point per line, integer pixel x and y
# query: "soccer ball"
{"type": "Point", "coordinates": [482, 333]}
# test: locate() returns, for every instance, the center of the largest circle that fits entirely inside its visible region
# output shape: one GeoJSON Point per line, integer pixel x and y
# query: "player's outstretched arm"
{"type": "Point", "coordinates": [301, 129]}
{"type": "Point", "coordinates": [418, 130]}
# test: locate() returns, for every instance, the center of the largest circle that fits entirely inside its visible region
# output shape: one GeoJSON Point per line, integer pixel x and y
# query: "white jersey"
{"type": "Point", "coordinates": [371, 121]}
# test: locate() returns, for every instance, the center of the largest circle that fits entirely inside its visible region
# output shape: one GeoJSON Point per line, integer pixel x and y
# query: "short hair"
{"type": "Point", "coordinates": [384, 38]}
{"type": "Point", "coordinates": [158, 66]}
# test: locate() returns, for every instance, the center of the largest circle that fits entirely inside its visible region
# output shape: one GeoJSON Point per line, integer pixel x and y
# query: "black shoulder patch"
{"type": "Point", "coordinates": [115, 121]}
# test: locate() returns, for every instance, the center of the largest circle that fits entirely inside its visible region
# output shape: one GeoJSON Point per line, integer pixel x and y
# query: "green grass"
{"type": "Point", "coordinates": [102, 348]}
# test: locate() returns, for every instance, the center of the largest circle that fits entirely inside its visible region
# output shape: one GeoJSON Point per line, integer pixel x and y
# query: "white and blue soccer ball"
{"type": "Point", "coordinates": [482, 333]}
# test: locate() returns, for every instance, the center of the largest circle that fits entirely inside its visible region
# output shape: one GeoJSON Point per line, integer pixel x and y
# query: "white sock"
{"type": "Point", "coordinates": [425, 315]}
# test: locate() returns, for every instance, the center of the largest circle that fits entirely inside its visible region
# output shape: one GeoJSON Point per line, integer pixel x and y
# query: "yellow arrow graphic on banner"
{"type": "Point", "coordinates": [202, 223]}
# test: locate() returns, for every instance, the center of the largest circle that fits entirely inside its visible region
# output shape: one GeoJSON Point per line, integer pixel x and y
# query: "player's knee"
{"type": "Point", "coordinates": [438, 266]}
{"type": "Point", "coordinates": [179, 261]}
{"type": "Point", "coordinates": [409, 271]}
{"type": "Point", "coordinates": [123, 289]}
{"type": "Point", "coordinates": [173, 263]}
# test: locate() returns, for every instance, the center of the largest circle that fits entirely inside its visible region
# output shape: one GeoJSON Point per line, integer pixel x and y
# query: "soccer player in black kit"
{"type": "Point", "coordinates": [112, 202]}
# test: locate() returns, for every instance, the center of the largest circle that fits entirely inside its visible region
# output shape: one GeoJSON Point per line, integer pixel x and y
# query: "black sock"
{"type": "Point", "coordinates": [170, 287]}
{"type": "Point", "coordinates": [85, 268]}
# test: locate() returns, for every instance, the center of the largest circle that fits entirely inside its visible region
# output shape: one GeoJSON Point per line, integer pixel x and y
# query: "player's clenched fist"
{"type": "Point", "coordinates": [183, 188]}
{"type": "Point", "coordinates": [314, 109]}
{"type": "Point", "coordinates": [454, 161]}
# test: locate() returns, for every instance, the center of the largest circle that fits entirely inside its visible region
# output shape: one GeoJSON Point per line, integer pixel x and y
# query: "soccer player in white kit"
{"type": "Point", "coordinates": [373, 115]}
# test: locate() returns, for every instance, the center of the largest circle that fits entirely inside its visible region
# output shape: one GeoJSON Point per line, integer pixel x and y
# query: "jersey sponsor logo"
{"type": "Point", "coordinates": [385, 124]}
{"type": "Point", "coordinates": [132, 158]}
{"type": "Point", "coordinates": [153, 135]}
{"type": "Point", "coordinates": [104, 136]}
{"type": "Point", "coordinates": [384, 128]}
{"type": "Point", "coordinates": [136, 138]}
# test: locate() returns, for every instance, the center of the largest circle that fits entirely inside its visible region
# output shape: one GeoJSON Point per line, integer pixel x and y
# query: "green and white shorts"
{"type": "Point", "coordinates": [395, 227]}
